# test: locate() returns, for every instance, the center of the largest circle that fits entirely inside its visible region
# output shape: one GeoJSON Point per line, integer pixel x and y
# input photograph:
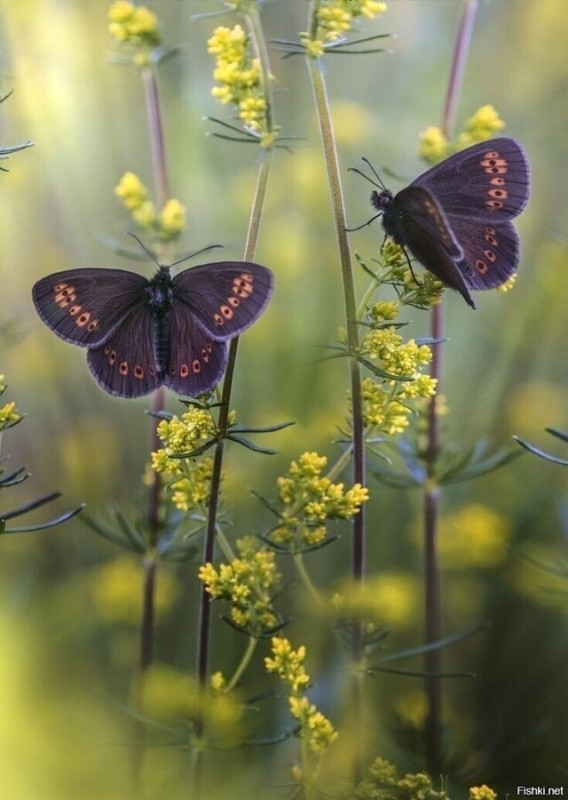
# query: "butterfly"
{"type": "Point", "coordinates": [455, 219]}
{"type": "Point", "coordinates": [141, 334]}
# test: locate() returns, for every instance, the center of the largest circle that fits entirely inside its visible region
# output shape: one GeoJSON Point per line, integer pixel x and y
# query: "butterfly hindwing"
{"type": "Point", "coordinates": [488, 181]}
{"type": "Point", "coordinates": [83, 306]}
{"type": "Point", "coordinates": [196, 361]}
{"type": "Point", "coordinates": [491, 251]}
{"type": "Point", "coordinates": [125, 364]}
{"type": "Point", "coordinates": [225, 298]}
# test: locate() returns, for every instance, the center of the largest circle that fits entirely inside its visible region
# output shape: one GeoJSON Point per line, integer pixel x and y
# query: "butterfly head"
{"type": "Point", "coordinates": [381, 200]}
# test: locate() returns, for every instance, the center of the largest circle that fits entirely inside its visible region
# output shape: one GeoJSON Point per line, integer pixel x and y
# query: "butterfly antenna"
{"type": "Point", "coordinates": [196, 253]}
{"type": "Point", "coordinates": [377, 180]}
{"type": "Point", "coordinates": [149, 252]}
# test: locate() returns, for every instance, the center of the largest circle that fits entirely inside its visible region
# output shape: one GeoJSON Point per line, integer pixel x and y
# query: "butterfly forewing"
{"type": "Point", "coordinates": [225, 298]}
{"type": "Point", "coordinates": [430, 238]}
{"type": "Point", "coordinates": [83, 306]}
{"type": "Point", "coordinates": [196, 361]}
{"type": "Point", "coordinates": [125, 364]}
{"type": "Point", "coordinates": [488, 181]}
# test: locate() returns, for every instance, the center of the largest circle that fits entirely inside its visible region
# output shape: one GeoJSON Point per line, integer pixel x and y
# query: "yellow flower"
{"type": "Point", "coordinates": [248, 583]}
{"type": "Point", "coordinates": [474, 536]}
{"type": "Point", "coordinates": [171, 219]}
{"type": "Point", "coordinates": [117, 586]}
{"type": "Point", "coordinates": [334, 18]}
{"type": "Point", "coordinates": [392, 599]}
{"type": "Point", "coordinates": [145, 215]}
{"type": "Point", "coordinates": [134, 25]}
{"type": "Point", "coordinates": [9, 415]}
{"type": "Point", "coordinates": [131, 191]}
{"type": "Point", "coordinates": [242, 81]}
{"type": "Point", "coordinates": [434, 146]}
{"type": "Point", "coordinates": [481, 126]}
{"type": "Point", "coordinates": [508, 284]}
{"type": "Point", "coordinates": [288, 663]}
{"type": "Point", "coordinates": [482, 793]}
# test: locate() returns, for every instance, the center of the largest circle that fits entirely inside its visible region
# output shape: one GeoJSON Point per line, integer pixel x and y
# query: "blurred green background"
{"type": "Point", "coordinates": [69, 603]}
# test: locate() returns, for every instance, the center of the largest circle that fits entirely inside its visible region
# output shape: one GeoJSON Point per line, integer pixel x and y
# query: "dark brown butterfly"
{"type": "Point", "coordinates": [142, 333]}
{"type": "Point", "coordinates": [456, 217]}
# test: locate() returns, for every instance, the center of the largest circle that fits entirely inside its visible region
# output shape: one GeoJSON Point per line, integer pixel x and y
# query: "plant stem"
{"type": "Point", "coordinates": [245, 661]}
{"type": "Point", "coordinates": [358, 523]}
{"type": "Point", "coordinates": [204, 623]}
{"type": "Point", "coordinates": [156, 135]}
{"type": "Point", "coordinates": [146, 650]}
{"type": "Point", "coordinates": [306, 580]}
{"type": "Point", "coordinates": [432, 599]}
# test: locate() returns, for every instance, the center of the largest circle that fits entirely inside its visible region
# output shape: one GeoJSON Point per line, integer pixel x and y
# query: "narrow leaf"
{"type": "Point", "coordinates": [52, 523]}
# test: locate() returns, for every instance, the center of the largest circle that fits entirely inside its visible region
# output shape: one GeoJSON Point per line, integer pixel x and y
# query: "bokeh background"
{"type": "Point", "coordinates": [69, 601]}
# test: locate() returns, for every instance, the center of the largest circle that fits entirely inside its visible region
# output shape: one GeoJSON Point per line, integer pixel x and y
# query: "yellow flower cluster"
{"type": "Point", "coordinates": [185, 433]}
{"type": "Point", "coordinates": [167, 224]}
{"type": "Point", "coordinates": [434, 146]}
{"type": "Point", "coordinates": [509, 284]}
{"type": "Point", "coordinates": [391, 598]}
{"type": "Point", "coordinates": [481, 126]}
{"type": "Point", "coordinates": [482, 793]}
{"type": "Point", "coordinates": [189, 480]}
{"type": "Point", "coordinates": [388, 349]}
{"type": "Point", "coordinates": [383, 780]}
{"type": "Point", "coordinates": [248, 583]}
{"type": "Point", "coordinates": [9, 414]}
{"type": "Point", "coordinates": [333, 19]}
{"type": "Point", "coordinates": [309, 500]}
{"type": "Point", "coordinates": [169, 694]}
{"type": "Point", "coordinates": [474, 536]}
{"type": "Point", "coordinates": [316, 730]}
{"type": "Point", "coordinates": [386, 403]}
{"type": "Point", "coordinates": [132, 24]}
{"type": "Point", "coordinates": [116, 590]}
{"type": "Point", "coordinates": [288, 664]}
{"type": "Point", "coordinates": [241, 81]}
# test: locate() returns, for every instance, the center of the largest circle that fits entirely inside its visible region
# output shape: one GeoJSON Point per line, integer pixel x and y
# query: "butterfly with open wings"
{"type": "Point", "coordinates": [141, 334]}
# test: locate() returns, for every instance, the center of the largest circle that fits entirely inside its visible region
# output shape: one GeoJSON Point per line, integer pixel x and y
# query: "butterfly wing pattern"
{"type": "Point", "coordinates": [455, 218]}
{"type": "Point", "coordinates": [142, 333]}
{"type": "Point", "coordinates": [83, 306]}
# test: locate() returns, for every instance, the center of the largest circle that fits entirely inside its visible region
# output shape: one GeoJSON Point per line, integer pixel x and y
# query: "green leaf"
{"type": "Point", "coordinates": [14, 478]}
{"type": "Point", "coordinates": [563, 435]}
{"type": "Point", "coordinates": [109, 533]}
{"type": "Point", "coordinates": [270, 429]}
{"type": "Point", "coordinates": [381, 373]}
{"type": "Point", "coordinates": [52, 523]}
{"type": "Point", "coordinates": [41, 501]}
{"type": "Point", "coordinates": [251, 446]}
{"type": "Point", "coordinates": [477, 464]}
{"type": "Point", "coordinates": [441, 644]}
{"type": "Point", "coordinates": [558, 434]}
{"type": "Point", "coordinates": [422, 674]}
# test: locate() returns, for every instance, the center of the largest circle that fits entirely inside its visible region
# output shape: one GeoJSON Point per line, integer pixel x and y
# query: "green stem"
{"type": "Point", "coordinates": [432, 590]}
{"type": "Point", "coordinates": [245, 661]}
{"type": "Point", "coordinates": [204, 622]}
{"type": "Point", "coordinates": [358, 523]}
{"type": "Point", "coordinates": [306, 580]}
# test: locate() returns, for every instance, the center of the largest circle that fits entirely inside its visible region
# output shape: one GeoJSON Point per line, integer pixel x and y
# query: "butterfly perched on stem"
{"type": "Point", "coordinates": [141, 334]}
{"type": "Point", "coordinates": [455, 219]}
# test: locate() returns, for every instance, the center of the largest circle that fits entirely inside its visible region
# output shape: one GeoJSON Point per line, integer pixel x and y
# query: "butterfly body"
{"type": "Point", "coordinates": [141, 334]}
{"type": "Point", "coordinates": [456, 217]}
